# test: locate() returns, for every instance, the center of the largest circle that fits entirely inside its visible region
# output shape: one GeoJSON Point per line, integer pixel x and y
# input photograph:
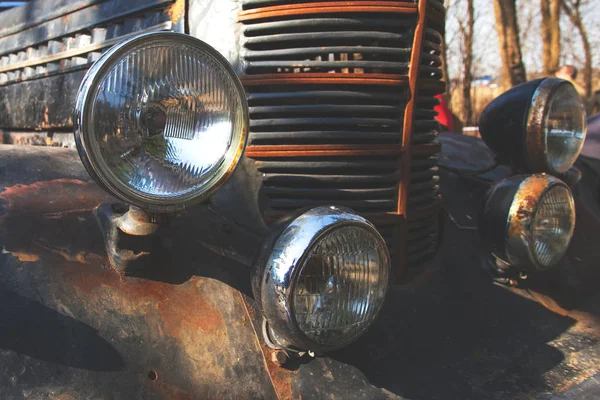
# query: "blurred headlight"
{"type": "Point", "coordinates": [161, 121]}
{"type": "Point", "coordinates": [321, 279]}
{"type": "Point", "coordinates": [539, 126]}
{"type": "Point", "coordinates": [529, 221]}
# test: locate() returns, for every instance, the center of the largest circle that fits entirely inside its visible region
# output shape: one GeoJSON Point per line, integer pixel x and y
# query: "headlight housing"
{"type": "Point", "coordinates": [529, 221]}
{"type": "Point", "coordinates": [161, 121]}
{"type": "Point", "coordinates": [539, 126]}
{"type": "Point", "coordinates": [321, 279]}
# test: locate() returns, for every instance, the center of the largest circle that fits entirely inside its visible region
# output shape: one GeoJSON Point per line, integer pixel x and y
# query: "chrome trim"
{"type": "Point", "coordinates": [282, 257]}
{"type": "Point", "coordinates": [82, 119]}
{"type": "Point", "coordinates": [536, 139]}
{"type": "Point", "coordinates": [519, 238]}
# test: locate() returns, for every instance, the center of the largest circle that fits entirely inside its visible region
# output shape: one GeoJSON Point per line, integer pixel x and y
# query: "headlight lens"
{"type": "Point", "coordinates": [553, 226]}
{"type": "Point", "coordinates": [341, 286]}
{"type": "Point", "coordinates": [161, 120]}
{"type": "Point", "coordinates": [321, 279]}
{"type": "Point", "coordinates": [529, 221]}
{"type": "Point", "coordinates": [565, 126]}
{"type": "Point", "coordinates": [539, 126]}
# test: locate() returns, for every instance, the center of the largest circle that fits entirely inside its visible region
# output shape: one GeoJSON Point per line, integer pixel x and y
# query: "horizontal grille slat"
{"type": "Point", "coordinates": [331, 96]}
{"type": "Point", "coordinates": [320, 66]}
{"type": "Point", "coordinates": [315, 180]}
{"type": "Point", "coordinates": [331, 38]}
{"type": "Point", "coordinates": [284, 54]}
{"type": "Point", "coordinates": [317, 109]}
{"type": "Point", "coordinates": [329, 193]}
{"type": "Point", "coordinates": [295, 123]}
{"type": "Point", "coordinates": [348, 166]}
{"type": "Point", "coordinates": [251, 4]}
{"type": "Point", "coordinates": [327, 24]}
{"type": "Point", "coordinates": [360, 206]}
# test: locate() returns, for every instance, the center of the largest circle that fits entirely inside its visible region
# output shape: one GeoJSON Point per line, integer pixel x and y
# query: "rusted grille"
{"type": "Point", "coordinates": [332, 79]}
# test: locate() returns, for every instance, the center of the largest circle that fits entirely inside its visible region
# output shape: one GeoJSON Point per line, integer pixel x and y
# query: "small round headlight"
{"type": "Point", "coordinates": [557, 127]}
{"type": "Point", "coordinates": [161, 120]}
{"type": "Point", "coordinates": [539, 126]}
{"type": "Point", "coordinates": [529, 221]}
{"type": "Point", "coordinates": [322, 279]}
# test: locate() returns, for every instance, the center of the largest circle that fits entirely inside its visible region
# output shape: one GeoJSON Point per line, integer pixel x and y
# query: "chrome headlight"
{"type": "Point", "coordinates": [161, 121]}
{"type": "Point", "coordinates": [529, 221]}
{"type": "Point", "coordinates": [539, 126]}
{"type": "Point", "coordinates": [321, 279]}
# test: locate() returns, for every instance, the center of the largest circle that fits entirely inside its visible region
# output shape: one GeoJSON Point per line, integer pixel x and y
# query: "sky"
{"type": "Point", "coordinates": [486, 51]}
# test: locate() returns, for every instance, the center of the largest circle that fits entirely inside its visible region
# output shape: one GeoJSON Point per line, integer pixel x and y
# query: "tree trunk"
{"type": "Point", "coordinates": [467, 81]}
{"type": "Point", "coordinates": [550, 10]}
{"type": "Point", "coordinates": [574, 13]}
{"type": "Point", "coordinates": [513, 69]}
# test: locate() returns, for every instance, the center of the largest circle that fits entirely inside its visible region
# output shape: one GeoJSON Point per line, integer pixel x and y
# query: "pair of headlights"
{"type": "Point", "coordinates": [538, 127]}
{"type": "Point", "coordinates": [161, 122]}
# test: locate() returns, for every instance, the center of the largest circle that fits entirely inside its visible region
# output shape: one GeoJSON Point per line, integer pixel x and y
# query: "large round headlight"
{"type": "Point", "coordinates": [321, 279]}
{"type": "Point", "coordinates": [529, 221]}
{"type": "Point", "coordinates": [539, 126]}
{"type": "Point", "coordinates": [161, 120]}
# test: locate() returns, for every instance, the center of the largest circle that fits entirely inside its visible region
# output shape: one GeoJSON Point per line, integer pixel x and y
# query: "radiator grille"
{"type": "Point", "coordinates": [370, 52]}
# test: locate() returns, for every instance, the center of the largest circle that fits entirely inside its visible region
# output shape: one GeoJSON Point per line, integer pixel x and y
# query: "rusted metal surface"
{"type": "Point", "coordinates": [525, 205]}
{"type": "Point", "coordinates": [328, 7]}
{"type": "Point", "coordinates": [194, 337]}
{"type": "Point", "coordinates": [319, 78]}
{"type": "Point", "coordinates": [71, 326]}
{"type": "Point", "coordinates": [130, 237]}
{"type": "Point", "coordinates": [57, 139]}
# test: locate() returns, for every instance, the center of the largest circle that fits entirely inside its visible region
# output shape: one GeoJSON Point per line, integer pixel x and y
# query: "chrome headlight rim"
{"type": "Point", "coordinates": [536, 138]}
{"type": "Point", "coordinates": [274, 284]}
{"type": "Point", "coordinates": [83, 119]}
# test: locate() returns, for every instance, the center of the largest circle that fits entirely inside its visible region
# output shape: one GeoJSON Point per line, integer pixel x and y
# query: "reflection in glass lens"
{"type": "Point", "coordinates": [341, 286]}
{"type": "Point", "coordinates": [164, 119]}
{"type": "Point", "coordinates": [553, 226]}
{"type": "Point", "coordinates": [565, 127]}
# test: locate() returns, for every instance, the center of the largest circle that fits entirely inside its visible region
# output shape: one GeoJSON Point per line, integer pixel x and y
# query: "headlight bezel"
{"type": "Point", "coordinates": [536, 139]}
{"type": "Point", "coordinates": [274, 279]}
{"type": "Point", "coordinates": [507, 218]}
{"type": "Point", "coordinates": [82, 120]}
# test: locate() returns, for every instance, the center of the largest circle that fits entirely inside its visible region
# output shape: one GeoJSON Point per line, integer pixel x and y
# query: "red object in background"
{"type": "Point", "coordinates": [444, 117]}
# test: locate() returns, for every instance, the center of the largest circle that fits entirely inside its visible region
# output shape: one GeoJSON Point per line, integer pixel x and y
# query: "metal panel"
{"type": "Point", "coordinates": [41, 67]}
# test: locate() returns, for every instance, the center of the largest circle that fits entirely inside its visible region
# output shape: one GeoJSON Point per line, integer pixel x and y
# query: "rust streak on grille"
{"type": "Point", "coordinates": [322, 150]}
{"type": "Point", "coordinates": [409, 114]}
{"type": "Point", "coordinates": [325, 79]}
{"type": "Point", "coordinates": [328, 7]}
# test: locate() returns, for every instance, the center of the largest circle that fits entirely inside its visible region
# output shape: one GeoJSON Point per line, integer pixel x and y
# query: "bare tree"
{"type": "Point", "coordinates": [550, 10]}
{"type": "Point", "coordinates": [467, 30]}
{"type": "Point", "coordinates": [573, 10]}
{"type": "Point", "coordinates": [507, 26]}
